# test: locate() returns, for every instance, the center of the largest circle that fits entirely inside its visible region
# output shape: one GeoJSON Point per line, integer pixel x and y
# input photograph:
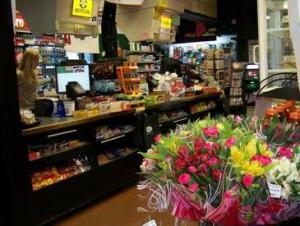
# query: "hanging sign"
{"type": "Point", "coordinates": [163, 3]}
{"type": "Point", "coordinates": [83, 8]}
{"type": "Point", "coordinates": [165, 22]}
{"type": "Point", "coordinates": [21, 25]}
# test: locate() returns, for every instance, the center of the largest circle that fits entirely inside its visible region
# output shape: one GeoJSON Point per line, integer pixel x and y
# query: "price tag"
{"type": "Point", "coordinates": [165, 22]}
{"type": "Point", "coordinates": [275, 190]}
{"type": "Point", "coordinates": [150, 223]}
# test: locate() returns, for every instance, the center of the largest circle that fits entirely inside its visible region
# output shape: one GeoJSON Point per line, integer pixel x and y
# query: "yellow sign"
{"type": "Point", "coordinates": [165, 22]}
{"type": "Point", "coordinates": [82, 8]}
{"type": "Point", "coordinates": [163, 3]}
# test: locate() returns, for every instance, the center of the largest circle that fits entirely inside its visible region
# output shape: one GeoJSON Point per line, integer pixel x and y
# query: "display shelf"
{"type": "Point", "coordinates": [84, 148]}
{"type": "Point", "coordinates": [111, 59]}
{"type": "Point", "coordinates": [203, 112]}
{"type": "Point", "coordinates": [279, 32]}
{"type": "Point", "coordinates": [275, 30]}
{"type": "Point", "coordinates": [63, 180]}
{"type": "Point", "coordinates": [114, 138]}
{"type": "Point", "coordinates": [145, 62]}
{"type": "Point", "coordinates": [64, 197]}
{"type": "Point", "coordinates": [45, 45]}
{"type": "Point", "coordinates": [172, 122]}
{"type": "Point", "coordinates": [139, 52]}
{"type": "Point", "coordinates": [147, 71]}
{"type": "Point", "coordinates": [115, 160]}
{"type": "Point", "coordinates": [182, 100]}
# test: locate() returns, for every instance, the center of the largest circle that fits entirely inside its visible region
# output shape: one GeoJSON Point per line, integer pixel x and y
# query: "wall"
{"type": "Point", "coordinates": [220, 40]}
{"type": "Point", "coordinates": [88, 45]}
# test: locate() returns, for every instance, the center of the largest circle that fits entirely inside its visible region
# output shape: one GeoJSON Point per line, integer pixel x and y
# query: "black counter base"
{"type": "Point", "coordinates": [64, 197]}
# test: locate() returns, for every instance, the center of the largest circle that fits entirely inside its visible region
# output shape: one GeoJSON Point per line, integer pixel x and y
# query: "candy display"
{"type": "Point", "coordinates": [202, 106]}
{"type": "Point", "coordinates": [51, 175]}
{"type": "Point", "coordinates": [141, 58]}
{"type": "Point", "coordinates": [111, 155]}
{"type": "Point", "coordinates": [44, 150]}
{"type": "Point", "coordinates": [236, 90]}
{"type": "Point", "coordinates": [104, 132]}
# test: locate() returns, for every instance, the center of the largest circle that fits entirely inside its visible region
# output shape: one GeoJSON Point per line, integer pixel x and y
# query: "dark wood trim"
{"type": "Point", "coordinates": [13, 187]}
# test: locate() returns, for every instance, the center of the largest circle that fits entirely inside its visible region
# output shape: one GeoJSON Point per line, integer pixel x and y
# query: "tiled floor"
{"type": "Point", "coordinates": [120, 209]}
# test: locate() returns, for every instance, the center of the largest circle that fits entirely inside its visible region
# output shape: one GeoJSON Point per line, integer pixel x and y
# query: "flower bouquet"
{"type": "Point", "coordinates": [222, 171]}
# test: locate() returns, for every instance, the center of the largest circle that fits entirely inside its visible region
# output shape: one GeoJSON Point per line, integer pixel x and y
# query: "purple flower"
{"type": "Point", "coordinates": [238, 119]}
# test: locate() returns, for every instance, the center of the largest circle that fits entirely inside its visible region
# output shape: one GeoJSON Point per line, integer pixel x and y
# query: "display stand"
{"type": "Point", "coordinates": [236, 103]}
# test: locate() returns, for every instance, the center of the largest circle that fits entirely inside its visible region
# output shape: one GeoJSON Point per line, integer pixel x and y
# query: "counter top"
{"type": "Point", "coordinates": [49, 124]}
{"type": "Point", "coordinates": [182, 100]}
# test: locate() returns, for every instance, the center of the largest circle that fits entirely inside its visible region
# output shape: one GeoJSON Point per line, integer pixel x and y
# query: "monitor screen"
{"type": "Point", "coordinates": [76, 73]}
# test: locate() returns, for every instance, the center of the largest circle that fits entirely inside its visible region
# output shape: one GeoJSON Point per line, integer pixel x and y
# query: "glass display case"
{"type": "Point", "coordinates": [276, 48]}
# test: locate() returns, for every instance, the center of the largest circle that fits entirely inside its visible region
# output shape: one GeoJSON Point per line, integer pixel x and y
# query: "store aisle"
{"type": "Point", "coordinates": [120, 209]}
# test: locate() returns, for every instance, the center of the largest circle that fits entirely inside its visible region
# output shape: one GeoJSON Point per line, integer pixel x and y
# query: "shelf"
{"type": "Point", "coordinates": [174, 121]}
{"type": "Point", "coordinates": [117, 159]}
{"type": "Point", "coordinates": [182, 100]}
{"type": "Point", "coordinates": [203, 112]}
{"type": "Point", "coordinates": [110, 59]}
{"type": "Point", "coordinates": [113, 138]}
{"type": "Point", "coordinates": [288, 70]}
{"type": "Point", "coordinates": [279, 32]}
{"type": "Point", "coordinates": [147, 71]}
{"type": "Point", "coordinates": [151, 62]}
{"type": "Point", "coordinates": [45, 45]}
{"type": "Point", "coordinates": [140, 52]}
{"type": "Point", "coordinates": [63, 155]}
{"type": "Point", "coordinates": [54, 55]}
{"type": "Point", "coordinates": [62, 181]}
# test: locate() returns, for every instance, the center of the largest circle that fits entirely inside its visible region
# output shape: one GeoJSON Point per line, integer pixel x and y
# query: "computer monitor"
{"type": "Point", "coordinates": [75, 73]}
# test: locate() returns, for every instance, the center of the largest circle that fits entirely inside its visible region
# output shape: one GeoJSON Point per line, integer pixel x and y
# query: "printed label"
{"type": "Point", "coordinates": [275, 190]}
{"type": "Point", "coordinates": [150, 223]}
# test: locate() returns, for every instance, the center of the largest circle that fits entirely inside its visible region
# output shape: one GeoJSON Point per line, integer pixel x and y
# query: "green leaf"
{"type": "Point", "coordinates": [152, 156]}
